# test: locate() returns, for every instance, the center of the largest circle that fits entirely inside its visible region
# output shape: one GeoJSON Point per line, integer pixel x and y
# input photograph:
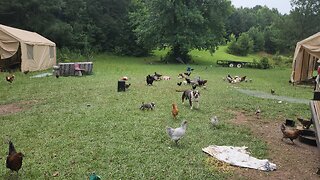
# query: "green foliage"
{"type": "Point", "coordinates": [67, 55]}
{"type": "Point", "coordinates": [264, 63]}
{"type": "Point", "coordinates": [180, 25]}
{"type": "Point", "coordinates": [258, 39]}
{"type": "Point", "coordinates": [282, 61]}
{"type": "Point", "coordinates": [243, 46]}
{"type": "Point", "coordinates": [85, 25]}
{"type": "Point", "coordinates": [242, 19]}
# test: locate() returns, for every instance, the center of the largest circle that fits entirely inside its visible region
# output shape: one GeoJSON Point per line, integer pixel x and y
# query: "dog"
{"type": "Point", "coordinates": [192, 96]}
{"type": "Point", "coordinates": [147, 106]}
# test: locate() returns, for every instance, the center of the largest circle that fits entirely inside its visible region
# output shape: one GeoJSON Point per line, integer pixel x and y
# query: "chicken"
{"type": "Point", "coordinates": [149, 80]}
{"type": "Point", "coordinates": [14, 159]}
{"type": "Point", "coordinates": [188, 80]}
{"type": "Point", "coordinates": [272, 91]}
{"type": "Point", "coordinates": [290, 133]}
{"type": "Point", "coordinates": [243, 78]}
{"type": "Point", "coordinates": [127, 85]}
{"type": "Point", "coordinates": [10, 78]}
{"type": "Point", "coordinates": [175, 110]}
{"type": "Point", "coordinates": [201, 82]}
{"type": "Point", "coordinates": [124, 78]}
{"type": "Point", "coordinates": [177, 133]}
{"type": "Point", "coordinates": [187, 73]}
{"type": "Point", "coordinates": [179, 83]}
{"type": "Point", "coordinates": [258, 112]}
{"type": "Point", "coordinates": [214, 121]}
{"type": "Point", "coordinates": [305, 123]}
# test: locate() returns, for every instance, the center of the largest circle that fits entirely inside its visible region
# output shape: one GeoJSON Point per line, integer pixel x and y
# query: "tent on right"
{"type": "Point", "coordinates": [305, 58]}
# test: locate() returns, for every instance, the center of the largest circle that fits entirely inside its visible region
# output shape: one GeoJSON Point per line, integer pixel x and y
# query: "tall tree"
{"type": "Point", "coordinates": [305, 15]}
{"type": "Point", "coordinates": [181, 24]}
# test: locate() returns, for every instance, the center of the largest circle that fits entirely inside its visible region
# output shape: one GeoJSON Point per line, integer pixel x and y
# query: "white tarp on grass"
{"type": "Point", "coordinates": [238, 156]}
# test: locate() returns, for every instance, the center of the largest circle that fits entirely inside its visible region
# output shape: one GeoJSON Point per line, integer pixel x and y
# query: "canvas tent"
{"type": "Point", "coordinates": [305, 58]}
{"type": "Point", "coordinates": [29, 50]}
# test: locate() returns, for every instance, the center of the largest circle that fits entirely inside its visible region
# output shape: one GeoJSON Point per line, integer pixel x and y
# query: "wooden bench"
{"type": "Point", "coordinates": [315, 114]}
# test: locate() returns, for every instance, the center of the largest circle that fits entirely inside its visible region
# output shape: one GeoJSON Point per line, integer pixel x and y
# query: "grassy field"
{"type": "Point", "coordinates": [79, 125]}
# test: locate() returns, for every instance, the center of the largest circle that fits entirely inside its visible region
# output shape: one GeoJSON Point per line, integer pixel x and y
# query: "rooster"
{"type": "Point", "coordinates": [149, 80]}
{"type": "Point", "coordinates": [290, 133]}
{"type": "Point", "coordinates": [177, 133]}
{"type": "Point", "coordinates": [175, 110]}
{"type": "Point", "coordinates": [214, 121]}
{"type": "Point", "coordinates": [10, 78]}
{"type": "Point", "coordinates": [14, 159]}
{"type": "Point", "coordinates": [305, 123]}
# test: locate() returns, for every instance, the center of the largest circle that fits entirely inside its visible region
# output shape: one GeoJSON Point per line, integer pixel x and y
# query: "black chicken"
{"type": "Point", "coordinates": [149, 80]}
{"type": "Point", "coordinates": [273, 91]}
{"type": "Point", "coordinates": [14, 159]}
{"type": "Point", "coordinates": [127, 85]}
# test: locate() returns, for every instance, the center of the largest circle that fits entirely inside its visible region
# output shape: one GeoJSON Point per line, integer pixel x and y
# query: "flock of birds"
{"type": "Point", "coordinates": [288, 133]}
{"type": "Point", "coordinates": [177, 133]}
{"type": "Point", "coordinates": [14, 158]}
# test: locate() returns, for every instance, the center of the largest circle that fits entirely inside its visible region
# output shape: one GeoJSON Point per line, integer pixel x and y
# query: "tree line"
{"type": "Point", "coordinates": [135, 27]}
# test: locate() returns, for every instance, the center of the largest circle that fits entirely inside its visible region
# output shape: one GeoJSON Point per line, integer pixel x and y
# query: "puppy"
{"type": "Point", "coordinates": [147, 106]}
{"type": "Point", "coordinates": [192, 96]}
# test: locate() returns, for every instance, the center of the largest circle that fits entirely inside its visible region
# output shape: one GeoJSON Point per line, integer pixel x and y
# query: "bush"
{"type": "Point", "coordinates": [264, 63]}
{"type": "Point", "coordinates": [67, 55]}
{"type": "Point", "coordinates": [243, 46]}
{"type": "Point", "coordinates": [282, 61]}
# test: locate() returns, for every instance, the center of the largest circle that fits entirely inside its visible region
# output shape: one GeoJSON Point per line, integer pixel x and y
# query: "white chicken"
{"type": "Point", "coordinates": [177, 133]}
{"type": "Point", "coordinates": [214, 121]}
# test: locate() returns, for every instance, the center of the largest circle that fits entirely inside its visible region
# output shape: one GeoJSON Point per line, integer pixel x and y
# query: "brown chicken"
{"type": "Point", "coordinates": [14, 159]}
{"type": "Point", "coordinates": [290, 133]}
{"type": "Point", "coordinates": [175, 110]}
{"type": "Point", "coordinates": [305, 123]}
{"type": "Point", "coordinates": [10, 78]}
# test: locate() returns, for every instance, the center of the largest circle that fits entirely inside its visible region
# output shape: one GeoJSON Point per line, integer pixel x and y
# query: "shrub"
{"type": "Point", "coordinates": [243, 46]}
{"type": "Point", "coordinates": [264, 63]}
{"type": "Point", "coordinates": [282, 61]}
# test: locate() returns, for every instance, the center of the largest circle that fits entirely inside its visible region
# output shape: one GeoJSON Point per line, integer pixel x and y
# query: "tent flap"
{"type": "Point", "coordinates": [306, 54]}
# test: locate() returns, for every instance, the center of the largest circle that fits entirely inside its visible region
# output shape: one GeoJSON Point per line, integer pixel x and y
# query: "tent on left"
{"type": "Point", "coordinates": [26, 50]}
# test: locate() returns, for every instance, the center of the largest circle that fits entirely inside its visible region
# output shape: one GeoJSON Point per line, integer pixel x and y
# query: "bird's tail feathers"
{"type": "Point", "coordinates": [11, 148]}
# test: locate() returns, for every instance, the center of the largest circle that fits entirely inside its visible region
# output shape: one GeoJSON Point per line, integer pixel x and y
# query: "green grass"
{"type": "Point", "coordinates": [206, 58]}
{"type": "Point", "coordinates": [113, 138]}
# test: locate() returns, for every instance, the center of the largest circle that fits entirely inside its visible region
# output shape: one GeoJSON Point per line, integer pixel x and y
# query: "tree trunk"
{"type": "Point", "coordinates": [178, 54]}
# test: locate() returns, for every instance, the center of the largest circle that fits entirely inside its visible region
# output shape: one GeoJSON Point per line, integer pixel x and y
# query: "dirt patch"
{"type": "Point", "coordinates": [298, 161]}
{"type": "Point", "coordinates": [15, 107]}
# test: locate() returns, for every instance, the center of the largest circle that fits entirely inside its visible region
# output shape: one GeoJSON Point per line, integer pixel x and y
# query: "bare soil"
{"type": "Point", "coordinates": [294, 161]}
{"type": "Point", "coordinates": [15, 107]}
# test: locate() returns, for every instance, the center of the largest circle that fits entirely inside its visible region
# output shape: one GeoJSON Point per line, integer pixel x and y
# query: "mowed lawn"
{"type": "Point", "coordinates": [79, 125]}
